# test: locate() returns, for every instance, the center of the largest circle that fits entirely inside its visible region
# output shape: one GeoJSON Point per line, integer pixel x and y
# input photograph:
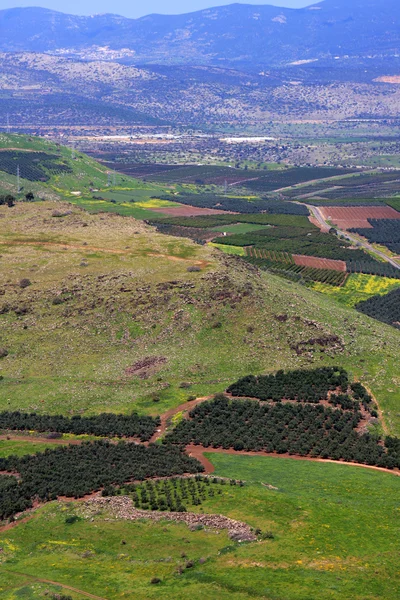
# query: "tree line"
{"type": "Point", "coordinates": [301, 385]}
{"type": "Point", "coordinates": [105, 424]}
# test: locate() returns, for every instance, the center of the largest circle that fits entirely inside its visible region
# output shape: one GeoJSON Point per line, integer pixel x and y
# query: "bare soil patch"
{"type": "Point", "coordinates": [190, 211]}
{"type": "Point", "coordinates": [347, 217]}
{"type": "Point", "coordinates": [145, 367]}
{"type": "Point", "coordinates": [320, 263]}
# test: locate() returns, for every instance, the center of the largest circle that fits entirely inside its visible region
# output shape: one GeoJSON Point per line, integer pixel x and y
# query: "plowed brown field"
{"type": "Point", "coordinates": [347, 217]}
{"type": "Point", "coordinates": [320, 263]}
{"type": "Point", "coordinates": [189, 211]}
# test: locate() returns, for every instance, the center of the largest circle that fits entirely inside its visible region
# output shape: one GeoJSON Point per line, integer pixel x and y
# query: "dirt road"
{"type": "Point", "coordinates": [351, 237]}
{"type": "Point", "coordinates": [58, 584]}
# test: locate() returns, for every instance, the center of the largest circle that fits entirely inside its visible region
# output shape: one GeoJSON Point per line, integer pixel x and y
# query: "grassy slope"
{"type": "Point", "coordinates": [86, 173]}
{"type": "Point", "coordinates": [335, 538]}
{"type": "Point", "coordinates": [72, 357]}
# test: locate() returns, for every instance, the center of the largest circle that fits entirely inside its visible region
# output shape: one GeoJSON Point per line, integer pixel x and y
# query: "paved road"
{"type": "Point", "coordinates": [315, 211]}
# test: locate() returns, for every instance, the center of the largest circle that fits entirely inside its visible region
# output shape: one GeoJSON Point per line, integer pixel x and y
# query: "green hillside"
{"type": "Point", "coordinates": [329, 532]}
{"type": "Point", "coordinates": [52, 171]}
{"type": "Point", "coordinates": [116, 317]}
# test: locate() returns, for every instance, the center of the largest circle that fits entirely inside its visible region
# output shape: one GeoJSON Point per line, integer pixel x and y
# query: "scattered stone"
{"type": "Point", "coordinates": [122, 507]}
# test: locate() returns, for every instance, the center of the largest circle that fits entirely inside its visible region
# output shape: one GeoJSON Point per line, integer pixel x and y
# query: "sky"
{"type": "Point", "coordinates": [138, 8]}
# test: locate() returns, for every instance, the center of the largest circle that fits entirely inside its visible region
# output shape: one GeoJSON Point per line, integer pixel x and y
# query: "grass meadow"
{"type": "Point", "coordinates": [332, 535]}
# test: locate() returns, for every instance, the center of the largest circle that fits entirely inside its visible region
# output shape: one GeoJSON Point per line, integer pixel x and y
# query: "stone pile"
{"type": "Point", "coordinates": [122, 507]}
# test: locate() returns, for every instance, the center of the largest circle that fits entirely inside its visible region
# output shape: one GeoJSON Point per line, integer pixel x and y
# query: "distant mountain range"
{"type": "Point", "coordinates": [239, 34]}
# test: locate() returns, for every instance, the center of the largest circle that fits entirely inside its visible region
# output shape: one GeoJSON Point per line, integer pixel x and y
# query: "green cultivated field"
{"type": "Point", "coordinates": [238, 228]}
{"type": "Point", "coordinates": [333, 535]}
{"type": "Point", "coordinates": [358, 288]}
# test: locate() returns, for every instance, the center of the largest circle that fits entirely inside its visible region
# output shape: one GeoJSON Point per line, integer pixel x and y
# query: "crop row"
{"type": "Point", "coordinates": [240, 205]}
{"type": "Point", "coordinates": [300, 272]}
{"type": "Point", "coordinates": [33, 166]}
{"type": "Point", "coordinates": [175, 494]}
{"type": "Point", "coordinates": [297, 240]}
{"type": "Point", "coordinates": [106, 424]}
{"type": "Point", "coordinates": [369, 267]}
{"type": "Point", "coordinates": [210, 221]}
{"type": "Point", "coordinates": [383, 308]}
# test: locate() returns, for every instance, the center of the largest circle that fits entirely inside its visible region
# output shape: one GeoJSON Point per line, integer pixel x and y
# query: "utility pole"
{"type": "Point", "coordinates": [108, 178]}
{"type": "Point", "coordinates": [114, 179]}
{"type": "Point", "coordinates": [73, 151]}
{"type": "Point", "coordinates": [226, 187]}
{"type": "Point", "coordinates": [8, 123]}
{"type": "Point", "coordinates": [18, 181]}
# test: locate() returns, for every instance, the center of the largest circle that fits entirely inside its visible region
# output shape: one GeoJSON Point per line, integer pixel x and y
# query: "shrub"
{"type": "Point", "coordinates": [24, 283]}
{"type": "Point", "coordinates": [72, 519]}
{"type": "Point", "coordinates": [193, 269]}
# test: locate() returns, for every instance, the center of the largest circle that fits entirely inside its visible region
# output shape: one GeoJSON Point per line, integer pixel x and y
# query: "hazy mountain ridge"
{"type": "Point", "coordinates": [236, 33]}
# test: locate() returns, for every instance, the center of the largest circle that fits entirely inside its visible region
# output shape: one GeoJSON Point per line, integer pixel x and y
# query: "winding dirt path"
{"type": "Point", "coordinates": [39, 440]}
{"type": "Point", "coordinates": [57, 583]}
{"type": "Point", "coordinates": [198, 452]}
{"type": "Point", "coordinates": [165, 418]}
